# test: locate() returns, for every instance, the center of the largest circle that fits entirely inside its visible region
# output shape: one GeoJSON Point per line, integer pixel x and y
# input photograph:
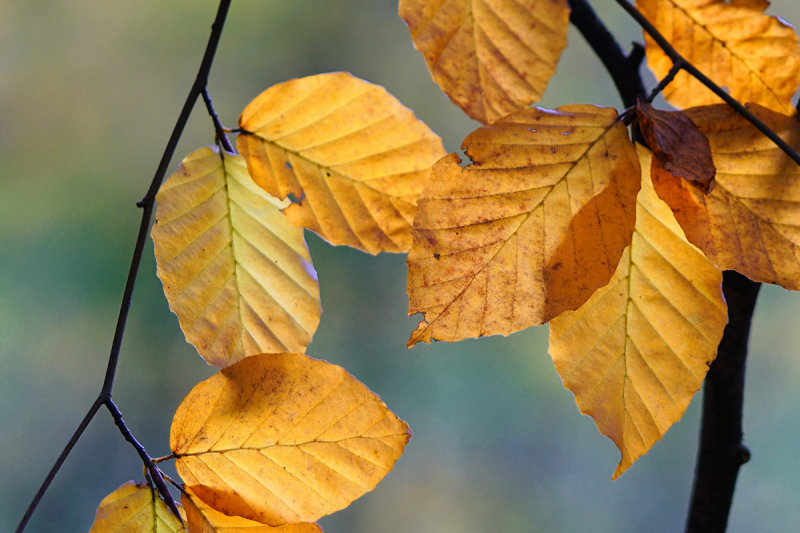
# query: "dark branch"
{"type": "Point", "coordinates": [218, 127]}
{"type": "Point", "coordinates": [721, 451]}
{"type": "Point", "coordinates": [678, 59]}
{"type": "Point", "coordinates": [57, 465]}
{"type": "Point", "coordinates": [146, 203]}
{"type": "Point", "coordinates": [155, 473]}
{"type": "Point", "coordinates": [624, 70]}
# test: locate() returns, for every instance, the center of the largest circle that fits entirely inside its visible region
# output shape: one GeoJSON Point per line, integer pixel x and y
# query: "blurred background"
{"type": "Point", "coordinates": [89, 92]}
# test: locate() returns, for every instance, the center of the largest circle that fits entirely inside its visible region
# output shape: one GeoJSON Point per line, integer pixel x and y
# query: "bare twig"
{"type": "Point", "coordinates": [147, 204]}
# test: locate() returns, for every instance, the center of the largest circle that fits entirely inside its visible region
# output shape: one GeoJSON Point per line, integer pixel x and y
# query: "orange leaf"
{"type": "Point", "coordinates": [530, 229]}
{"type": "Point", "coordinates": [235, 271]}
{"type": "Point", "coordinates": [135, 508]}
{"type": "Point", "coordinates": [351, 154]}
{"type": "Point", "coordinates": [751, 221]}
{"type": "Point", "coordinates": [200, 518]}
{"type": "Point", "coordinates": [677, 145]}
{"type": "Point", "coordinates": [284, 438]}
{"type": "Point", "coordinates": [491, 57]}
{"type": "Point", "coordinates": [753, 55]}
{"type": "Point", "coordinates": [638, 350]}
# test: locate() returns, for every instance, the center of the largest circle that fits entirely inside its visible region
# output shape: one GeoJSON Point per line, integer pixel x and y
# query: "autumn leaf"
{"type": "Point", "coordinates": [200, 518]}
{"type": "Point", "coordinates": [236, 273]}
{"type": "Point", "coordinates": [751, 221]}
{"type": "Point", "coordinates": [353, 157]}
{"type": "Point", "coordinates": [284, 438]}
{"type": "Point", "coordinates": [529, 229]}
{"type": "Point", "coordinates": [135, 508]}
{"type": "Point", "coordinates": [491, 57]}
{"type": "Point", "coordinates": [638, 350]}
{"type": "Point", "coordinates": [677, 145]}
{"type": "Point", "coordinates": [753, 55]}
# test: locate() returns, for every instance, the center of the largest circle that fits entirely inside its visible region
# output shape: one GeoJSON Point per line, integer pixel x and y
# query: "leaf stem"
{"type": "Point", "coordinates": [147, 204]}
{"type": "Point", "coordinates": [721, 452]}
{"type": "Point", "coordinates": [678, 59]}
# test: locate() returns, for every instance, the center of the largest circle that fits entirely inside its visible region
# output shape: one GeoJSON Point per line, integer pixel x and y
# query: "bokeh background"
{"type": "Point", "coordinates": [89, 92]}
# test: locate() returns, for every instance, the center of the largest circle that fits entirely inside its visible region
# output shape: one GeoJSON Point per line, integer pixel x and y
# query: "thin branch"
{"type": "Point", "coordinates": [155, 473]}
{"type": "Point", "coordinates": [57, 465]}
{"type": "Point", "coordinates": [705, 80]}
{"type": "Point", "coordinates": [147, 204]}
{"type": "Point", "coordinates": [218, 127]}
{"type": "Point", "coordinates": [624, 70]}
{"type": "Point", "coordinates": [721, 452]}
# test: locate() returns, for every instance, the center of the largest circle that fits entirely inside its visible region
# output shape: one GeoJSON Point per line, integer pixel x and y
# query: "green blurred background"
{"type": "Point", "coordinates": [89, 92]}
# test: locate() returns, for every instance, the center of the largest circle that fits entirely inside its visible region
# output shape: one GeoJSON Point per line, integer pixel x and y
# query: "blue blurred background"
{"type": "Point", "coordinates": [89, 92]}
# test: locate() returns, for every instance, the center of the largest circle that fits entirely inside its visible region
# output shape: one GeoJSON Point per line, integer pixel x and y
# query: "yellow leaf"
{"type": "Point", "coordinates": [135, 508]}
{"type": "Point", "coordinates": [751, 220]}
{"type": "Point", "coordinates": [638, 350]}
{"type": "Point", "coordinates": [284, 438]}
{"type": "Point", "coordinates": [753, 55]}
{"type": "Point", "coordinates": [200, 518]}
{"type": "Point", "coordinates": [350, 153]}
{"type": "Point", "coordinates": [491, 57]}
{"type": "Point", "coordinates": [235, 271]}
{"type": "Point", "coordinates": [531, 228]}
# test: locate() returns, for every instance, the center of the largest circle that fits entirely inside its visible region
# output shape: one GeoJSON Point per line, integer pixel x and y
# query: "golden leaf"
{"type": "Point", "coordinates": [638, 350]}
{"type": "Point", "coordinates": [350, 153]}
{"type": "Point", "coordinates": [235, 271]}
{"type": "Point", "coordinates": [751, 220]}
{"type": "Point", "coordinates": [135, 508]}
{"type": "Point", "coordinates": [284, 438]}
{"type": "Point", "coordinates": [753, 55]}
{"type": "Point", "coordinates": [491, 57]}
{"type": "Point", "coordinates": [200, 518]}
{"type": "Point", "coordinates": [531, 228]}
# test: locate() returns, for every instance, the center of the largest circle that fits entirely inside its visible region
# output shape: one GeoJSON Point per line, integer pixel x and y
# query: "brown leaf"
{"type": "Point", "coordinates": [491, 57]}
{"type": "Point", "coordinates": [284, 438]}
{"type": "Point", "coordinates": [751, 221]}
{"type": "Point", "coordinates": [354, 158]}
{"type": "Point", "coordinates": [135, 508]}
{"type": "Point", "coordinates": [201, 518]}
{"type": "Point", "coordinates": [530, 229]}
{"type": "Point", "coordinates": [753, 55]}
{"type": "Point", "coordinates": [638, 350]}
{"type": "Point", "coordinates": [677, 145]}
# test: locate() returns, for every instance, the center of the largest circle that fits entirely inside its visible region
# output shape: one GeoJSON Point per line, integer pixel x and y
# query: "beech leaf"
{"type": "Point", "coordinates": [751, 221]}
{"type": "Point", "coordinates": [753, 55]}
{"type": "Point", "coordinates": [677, 145]}
{"type": "Point", "coordinates": [638, 350]}
{"type": "Point", "coordinates": [284, 438]}
{"type": "Point", "coordinates": [135, 508]}
{"type": "Point", "coordinates": [353, 157]}
{"type": "Point", "coordinates": [236, 273]}
{"type": "Point", "coordinates": [490, 57]}
{"type": "Point", "coordinates": [531, 228]}
{"type": "Point", "coordinates": [200, 518]}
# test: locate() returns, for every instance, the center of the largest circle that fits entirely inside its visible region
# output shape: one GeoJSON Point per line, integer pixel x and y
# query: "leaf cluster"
{"type": "Point", "coordinates": [558, 216]}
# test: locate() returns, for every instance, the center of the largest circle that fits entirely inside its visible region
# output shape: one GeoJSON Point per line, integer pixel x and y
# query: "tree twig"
{"type": "Point", "coordinates": [624, 70]}
{"type": "Point", "coordinates": [721, 452]}
{"type": "Point", "coordinates": [678, 59]}
{"type": "Point", "coordinates": [218, 127]}
{"type": "Point", "coordinates": [147, 204]}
